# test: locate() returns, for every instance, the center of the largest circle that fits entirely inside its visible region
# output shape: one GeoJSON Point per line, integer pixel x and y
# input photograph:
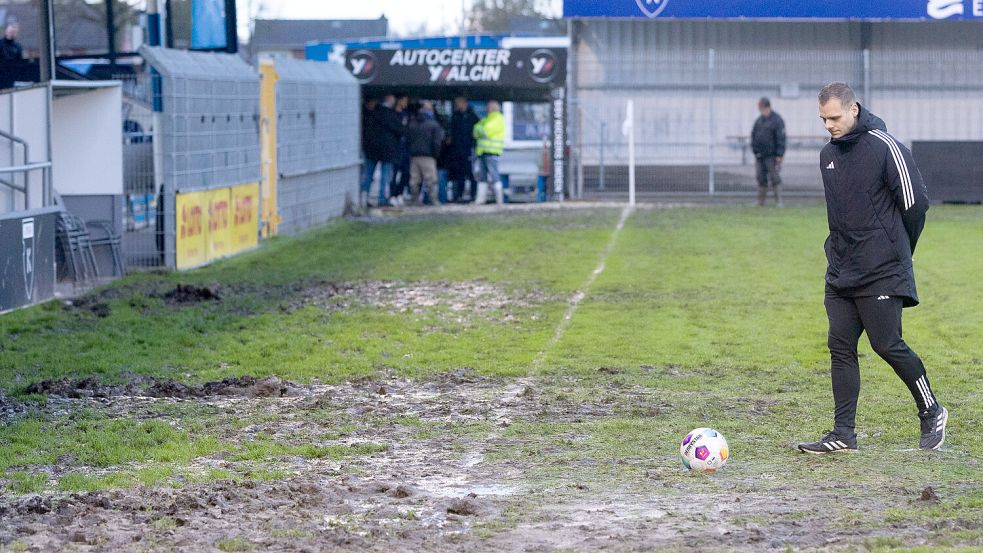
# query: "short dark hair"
{"type": "Point", "coordinates": [838, 90]}
{"type": "Point", "coordinates": [764, 102]}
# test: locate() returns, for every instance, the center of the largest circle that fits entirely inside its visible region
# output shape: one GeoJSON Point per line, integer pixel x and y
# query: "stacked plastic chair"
{"type": "Point", "coordinates": [72, 239]}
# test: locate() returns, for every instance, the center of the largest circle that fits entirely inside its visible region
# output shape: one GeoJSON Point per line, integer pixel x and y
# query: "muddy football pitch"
{"type": "Point", "coordinates": [490, 380]}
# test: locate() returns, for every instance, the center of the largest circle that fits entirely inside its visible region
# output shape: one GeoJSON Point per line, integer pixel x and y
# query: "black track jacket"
{"type": "Point", "coordinates": [876, 203]}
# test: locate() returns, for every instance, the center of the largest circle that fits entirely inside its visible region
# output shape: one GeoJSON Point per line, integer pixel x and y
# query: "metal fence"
{"type": "Point", "coordinates": [317, 129]}
{"type": "Point", "coordinates": [694, 109]}
{"type": "Point", "coordinates": [142, 235]}
{"type": "Point", "coordinates": [203, 135]}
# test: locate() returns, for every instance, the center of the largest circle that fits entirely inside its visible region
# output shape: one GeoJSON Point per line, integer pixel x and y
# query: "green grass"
{"type": "Point", "coordinates": [716, 313]}
{"type": "Point", "coordinates": [237, 543]}
{"type": "Point", "coordinates": [93, 440]}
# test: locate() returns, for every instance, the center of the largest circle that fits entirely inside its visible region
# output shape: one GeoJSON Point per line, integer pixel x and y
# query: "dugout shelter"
{"type": "Point", "coordinates": [520, 70]}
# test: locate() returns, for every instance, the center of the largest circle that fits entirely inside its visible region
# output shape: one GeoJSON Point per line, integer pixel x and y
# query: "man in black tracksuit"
{"type": "Point", "coordinates": [876, 204]}
{"type": "Point", "coordinates": [768, 145]}
{"type": "Point", "coordinates": [461, 154]}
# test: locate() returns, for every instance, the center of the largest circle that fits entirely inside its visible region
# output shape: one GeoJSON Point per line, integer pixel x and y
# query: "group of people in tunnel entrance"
{"type": "Point", "coordinates": [409, 143]}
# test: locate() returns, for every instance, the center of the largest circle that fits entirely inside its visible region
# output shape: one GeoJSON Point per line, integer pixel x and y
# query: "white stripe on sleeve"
{"type": "Point", "coordinates": [906, 188]}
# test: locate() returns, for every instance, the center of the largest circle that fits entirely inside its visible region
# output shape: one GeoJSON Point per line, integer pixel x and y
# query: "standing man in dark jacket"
{"type": "Point", "coordinates": [876, 204]}
{"type": "Point", "coordinates": [768, 145]}
{"type": "Point", "coordinates": [381, 131]}
{"type": "Point", "coordinates": [424, 138]}
{"type": "Point", "coordinates": [11, 55]}
{"type": "Point", "coordinates": [461, 154]}
{"type": "Point", "coordinates": [401, 171]}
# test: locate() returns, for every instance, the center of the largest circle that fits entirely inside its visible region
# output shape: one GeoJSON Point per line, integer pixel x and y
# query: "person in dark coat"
{"type": "Point", "coordinates": [401, 171]}
{"type": "Point", "coordinates": [460, 156]}
{"type": "Point", "coordinates": [876, 203]}
{"type": "Point", "coordinates": [768, 145]}
{"type": "Point", "coordinates": [381, 133]}
{"type": "Point", "coordinates": [424, 138]}
{"type": "Point", "coordinates": [11, 55]}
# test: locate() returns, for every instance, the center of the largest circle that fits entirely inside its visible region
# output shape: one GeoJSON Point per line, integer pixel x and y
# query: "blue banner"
{"type": "Point", "coordinates": [208, 24]}
{"type": "Point", "coordinates": [777, 9]}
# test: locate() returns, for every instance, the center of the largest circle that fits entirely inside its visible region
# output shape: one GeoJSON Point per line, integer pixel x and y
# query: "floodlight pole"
{"type": "Point", "coordinates": [231, 27]}
{"type": "Point", "coordinates": [46, 41]}
{"type": "Point", "coordinates": [111, 32]}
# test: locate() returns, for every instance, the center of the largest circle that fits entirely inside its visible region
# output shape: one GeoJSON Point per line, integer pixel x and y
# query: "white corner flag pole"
{"type": "Point", "coordinates": [629, 130]}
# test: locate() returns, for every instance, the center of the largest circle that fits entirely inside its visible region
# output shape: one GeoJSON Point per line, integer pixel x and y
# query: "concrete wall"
{"type": "Point", "coordinates": [86, 141]}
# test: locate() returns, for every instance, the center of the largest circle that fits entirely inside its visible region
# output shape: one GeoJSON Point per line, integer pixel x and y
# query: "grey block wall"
{"type": "Point", "coordinates": [318, 110]}
{"type": "Point", "coordinates": [310, 200]}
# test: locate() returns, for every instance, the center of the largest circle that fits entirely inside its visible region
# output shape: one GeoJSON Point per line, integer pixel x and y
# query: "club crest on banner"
{"type": "Point", "coordinates": [652, 8]}
{"type": "Point", "coordinates": [27, 248]}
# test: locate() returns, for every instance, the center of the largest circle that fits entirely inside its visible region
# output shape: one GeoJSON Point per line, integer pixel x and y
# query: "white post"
{"type": "Point", "coordinates": [630, 124]}
{"type": "Point", "coordinates": [713, 130]}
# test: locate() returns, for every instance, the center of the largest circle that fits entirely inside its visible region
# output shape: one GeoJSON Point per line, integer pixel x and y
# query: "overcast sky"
{"type": "Point", "coordinates": [405, 16]}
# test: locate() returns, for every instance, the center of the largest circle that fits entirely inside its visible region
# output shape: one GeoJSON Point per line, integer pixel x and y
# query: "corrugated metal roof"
{"type": "Point", "coordinates": [182, 63]}
{"type": "Point", "coordinates": [291, 70]}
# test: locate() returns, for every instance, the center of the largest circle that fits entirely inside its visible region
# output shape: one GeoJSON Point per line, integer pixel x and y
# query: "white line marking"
{"type": "Point", "coordinates": [580, 294]}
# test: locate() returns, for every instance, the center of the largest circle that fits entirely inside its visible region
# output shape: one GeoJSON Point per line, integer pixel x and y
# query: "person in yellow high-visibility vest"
{"type": "Point", "coordinates": [490, 134]}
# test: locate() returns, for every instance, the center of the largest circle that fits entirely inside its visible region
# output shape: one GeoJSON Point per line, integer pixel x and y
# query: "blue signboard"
{"type": "Point", "coordinates": [208, 24]}
{"type": "Point", "coordinates": [777, 9]}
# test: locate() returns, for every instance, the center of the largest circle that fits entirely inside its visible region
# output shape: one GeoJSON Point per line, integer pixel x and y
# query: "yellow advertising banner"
{"type": "Point", "coordinates": [218, 235]}
{"type": "Point", "coordinates": [192, 221]}
{"type": "Point", "coordinates": [216, 223]}
{"type": "Point", "coordinates": [244, 233]}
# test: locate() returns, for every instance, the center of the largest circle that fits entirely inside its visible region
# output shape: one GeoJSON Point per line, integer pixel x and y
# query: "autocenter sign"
{"type": "Point", "coordinates": [777, 9]}
{"type": "Point", "coordinates": [457, 66]}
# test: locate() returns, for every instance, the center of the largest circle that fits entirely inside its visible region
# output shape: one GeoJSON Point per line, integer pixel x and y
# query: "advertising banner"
{"type": "Point", "coordinates": [244, 215]}
{"type": "Point", "coordinates": [777, 9]}
{"type": "Point", "coordinates": [216, 223]}
{"type": "Point", "coordinates": [208, 24]}
{"type": "Point", "coordinates": [217, 238]}
{"type": "Point", "coordinates": [516, 67]}
{"type": "Point", "coordinates": [192, 223]}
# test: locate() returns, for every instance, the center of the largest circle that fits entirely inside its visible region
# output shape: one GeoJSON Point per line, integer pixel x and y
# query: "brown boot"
{"type": "Point", "coordinates": [778, 196]}
{"type": "Point", "coordinates": [762, 194]}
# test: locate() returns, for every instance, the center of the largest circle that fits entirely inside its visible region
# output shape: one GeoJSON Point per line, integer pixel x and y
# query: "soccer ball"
{"type": "Point", "coordinates": [704, 449]}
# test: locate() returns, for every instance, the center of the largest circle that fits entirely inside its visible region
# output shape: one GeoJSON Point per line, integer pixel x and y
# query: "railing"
{"type": "Point", "coordinates": [26, 168]}
{"type": "Point", "coordinates": [45, 166]}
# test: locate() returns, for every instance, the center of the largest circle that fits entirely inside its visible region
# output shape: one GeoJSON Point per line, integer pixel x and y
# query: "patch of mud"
{"type": "Point", "coordinates": [10, 407]}
{"type": "Point", "coordinates": [189, 293]}
{"type": "Point", "coordinates": [239, 386]}
{"type": "Point", "coordinates": [441, 484]}
{"type": "Point", "coordinates": [468, 297]}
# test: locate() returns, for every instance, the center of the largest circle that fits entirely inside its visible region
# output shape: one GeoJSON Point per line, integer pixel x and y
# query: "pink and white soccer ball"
{"type": "Point", "coordinates": [704, 450]}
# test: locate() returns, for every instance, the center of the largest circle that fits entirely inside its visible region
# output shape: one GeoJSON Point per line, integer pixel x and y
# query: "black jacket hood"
{"type": "Point", "coordinates": [866, 121]}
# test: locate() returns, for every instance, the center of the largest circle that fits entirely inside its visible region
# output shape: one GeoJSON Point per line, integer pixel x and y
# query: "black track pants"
{"type": "Point", "coordinates": [881, 318]}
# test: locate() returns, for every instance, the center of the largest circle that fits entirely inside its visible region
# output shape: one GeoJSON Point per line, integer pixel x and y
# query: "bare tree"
{"type": "Point", "coordinates": [70, 13]}
{"type": "Point", "coordinates": [494, 16]}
